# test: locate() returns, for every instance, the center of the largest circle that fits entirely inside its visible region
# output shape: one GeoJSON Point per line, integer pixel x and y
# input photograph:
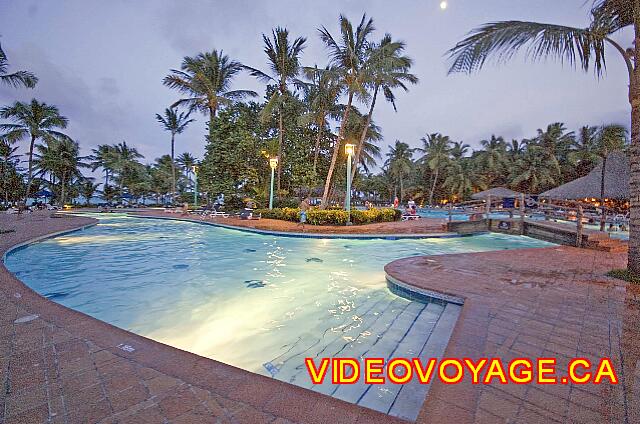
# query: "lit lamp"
{"type": "Point", "coordinates": [348, 149]}
{"type": "Point", "coordinates": [273, 163]}
{"type": "Point", "coordinates": [194, 168]}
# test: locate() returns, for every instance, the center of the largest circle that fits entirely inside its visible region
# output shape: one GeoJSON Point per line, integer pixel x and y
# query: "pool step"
{"type": "Point", "coordinates": [382, 347]}
{"type": "Point", "coordinates": [411, 396]}
{"type": "Point", "coordinates": [363, 343]}
{"type": "Point", "coordinates": [381, 397]}
{"type": "Point", "coordinates": [292, 368]}
{"type": "Point", "coordinates": [317, 334]}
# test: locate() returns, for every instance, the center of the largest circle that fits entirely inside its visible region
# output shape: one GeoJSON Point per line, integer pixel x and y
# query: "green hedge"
{"type": "Point", "coordinates": [333, 216]}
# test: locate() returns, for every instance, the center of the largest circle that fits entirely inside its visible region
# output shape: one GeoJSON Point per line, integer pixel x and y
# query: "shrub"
{"type": "Point", "coordinates": [624, 274]}
{"type": "Point", "coordinates": [333, 216]}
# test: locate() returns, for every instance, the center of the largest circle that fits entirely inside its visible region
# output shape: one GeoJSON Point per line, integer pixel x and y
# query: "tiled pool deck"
{"type": "Point", "coordinates": [65, 367]}
{"type": "Point", "coordinates": [551, 302]}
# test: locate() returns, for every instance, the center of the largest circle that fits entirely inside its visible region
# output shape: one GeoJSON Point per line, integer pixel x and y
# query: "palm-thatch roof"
{"type": "Point", "coordinates": [616, 182]}
{"type": "Point", "coordinates": [495, 193]}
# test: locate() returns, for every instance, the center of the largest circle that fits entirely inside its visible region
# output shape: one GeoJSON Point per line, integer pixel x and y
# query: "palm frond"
{"type": "Point", "coordinates": [502, 40]}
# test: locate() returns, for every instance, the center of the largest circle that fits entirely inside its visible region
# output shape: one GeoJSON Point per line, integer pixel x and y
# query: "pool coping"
{"type": "Point", "coordinates": [268, 395]}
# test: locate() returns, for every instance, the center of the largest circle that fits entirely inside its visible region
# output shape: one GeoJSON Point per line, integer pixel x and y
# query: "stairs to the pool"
{"type": "Point", "coordinates": [391, 328]}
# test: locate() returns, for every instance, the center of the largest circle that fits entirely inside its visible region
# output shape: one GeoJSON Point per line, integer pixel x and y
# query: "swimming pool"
{"type": "Point", "coordinates": [259, 302]}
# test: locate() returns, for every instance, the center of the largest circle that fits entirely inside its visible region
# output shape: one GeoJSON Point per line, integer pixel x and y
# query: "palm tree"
{"type": "Point", "coordinates": [583, 46]}
{"type": "Point", "coordinates": [175, 123]}
{"type": "Point", "coordinates": [61, 159]}
{"type": "Point", "coordinates": [458, 181]}
{"type": "Point", "coordinates": [88, 188]}
{"type": "Point", "coordinates": [348, 57]}
{"type": "Point", "coordinates": [17, 79]}
{"type": "Point", "coordinates": [492, 157]}
{"type": "Point", "coordinates": [284, 61]}
{"type": "Point", "coordinates": [321, 97]}
{"type": "Point", "coordinates": [8, 163]}
{"type": "Point", "coordinates": [584, 156]}
{"type": "Point", "coordinates": [458, 150]}
{"type": "Point", "coordinates": [33, 120]}
{"type": "Point", "coordinates": [187, 162]}
{"type": "Point", "coordinates": [353, 134]}
{"type": "Point", "coordinates": [125, 164]}
{"type": "Point", "coordinates": [206, 80]}
{"type": "Point", "coordinates": [532, 172]}
{"type": "Point", "coordinates": [610, 138]}
{"type": "Point", "coordinates": [388, 69]}
{"type": "Point", "coordinates": [399, 163]}
{"type": "Point", "coordinates": [436, 157]}
{"type": "Point", "coordinates": [103, 157]}
{"type": "Point", "coordinates": [515, 149]}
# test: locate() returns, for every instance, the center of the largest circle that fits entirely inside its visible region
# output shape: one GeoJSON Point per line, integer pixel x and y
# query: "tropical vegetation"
{"type": "Point", "coordinates": [585, 47]}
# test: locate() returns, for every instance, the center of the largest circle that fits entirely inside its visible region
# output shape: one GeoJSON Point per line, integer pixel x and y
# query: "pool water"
{"type": "Point", "coordinates": [260, 302]}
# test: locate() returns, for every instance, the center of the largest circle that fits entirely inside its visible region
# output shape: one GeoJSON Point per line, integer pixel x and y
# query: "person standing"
{"type": "Point", "coordinates": [304, 207]}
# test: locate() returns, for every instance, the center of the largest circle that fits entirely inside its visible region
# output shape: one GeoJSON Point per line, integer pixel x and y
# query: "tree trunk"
{"type": "Point", "coordinates": [212, 115]}
{"type": "Point", "coordinates": [30, 172]}
{"type": "Point", "coordinates": [280, 144]}
{"type": "Point", "coordinates": [603, 217]}
{"type": "Point", "coordinates": [336, 151]}
{"type": "Point", "coordinates": [173, 169]}
{"type": "Point", "coordinates": [634, 210]}
{"type": "Point", "coordinates": [401, 189]}
{"type": "Point", "coordinates": [62, 193]}
{"type": "Point", "coordinates": [433, 187]}
{"type": "Point", "coordinates": [363, 135]}
{"type": "Point", "coordinates": [634, 194]}
{"type": "Point", "coordinates": [318, 139]}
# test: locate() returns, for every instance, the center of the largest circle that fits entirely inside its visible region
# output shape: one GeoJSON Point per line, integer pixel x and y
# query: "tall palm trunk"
{"type": "Point", "coordinates": [363, 135]}
{"type": "Point", "coordinates": [336, 151]}
{"type": "Point", "coordinates": [318, 139]}
{"type": "Point", "coordinates": [634, 99]}
{"type": "Point", "coordinates": [401, 189]}
{"type": "Point", "coordinates": [173, 168]}
{"type": "Point", "coordinates": [212, 116]}
{"type": "Point", "coordinates": [602, 178]}
{"type": "Point", "coordinates": [62, 191]}
{"type": "Point", "coordinates": [433, 187]}
{"type": "Point", "coordinates": [280, 144]}
{"type": "Point", "coordinates": [30, 172]}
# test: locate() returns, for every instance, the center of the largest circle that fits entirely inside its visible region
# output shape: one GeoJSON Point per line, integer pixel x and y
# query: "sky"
{"type": "Point", "coordinates": [102, 63]}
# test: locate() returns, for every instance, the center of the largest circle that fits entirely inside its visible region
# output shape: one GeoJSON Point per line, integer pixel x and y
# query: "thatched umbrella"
{"type": "Point", "coordinates": [495, 193]}
{"type": "Point", "coordinates": [616, 182]}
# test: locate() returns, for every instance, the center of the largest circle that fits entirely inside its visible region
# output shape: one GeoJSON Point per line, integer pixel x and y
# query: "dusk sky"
{"type": "Point", "coordinates": [102, 63]}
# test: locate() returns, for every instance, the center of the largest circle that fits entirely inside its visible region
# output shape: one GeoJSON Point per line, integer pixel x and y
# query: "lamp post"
{"type": "Point", "coordinates": [273, 163]}
{"type": "Point", "coordinates": [195, 188]}
{"type": "Point", "coordinates": [348, 149]}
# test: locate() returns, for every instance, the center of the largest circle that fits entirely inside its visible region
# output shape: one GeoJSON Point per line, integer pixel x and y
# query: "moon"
{"type": "Point", "coordinates": [443, 5]}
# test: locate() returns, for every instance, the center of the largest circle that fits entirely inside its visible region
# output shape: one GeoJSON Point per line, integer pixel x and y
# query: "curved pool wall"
{"type": "Point", "coordinates": [256, 301]}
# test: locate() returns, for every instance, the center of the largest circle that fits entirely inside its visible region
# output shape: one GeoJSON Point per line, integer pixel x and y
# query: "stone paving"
{"type": "Point", "coordinates": [61, 366]}
{"type": "Point", "coordinates": [551, 302]}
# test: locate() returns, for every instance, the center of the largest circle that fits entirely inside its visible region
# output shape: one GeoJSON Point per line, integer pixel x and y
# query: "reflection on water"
{"type": "Point", "coordinates": [241, 298]}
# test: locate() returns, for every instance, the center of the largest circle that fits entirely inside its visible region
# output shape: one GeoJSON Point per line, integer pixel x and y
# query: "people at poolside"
{"type": "Point", "coordinates": [185, 209]}
{"type": "Point", "coordinates": [396, 202]}
{"type": "Point", "coordinates": [305, 205]}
